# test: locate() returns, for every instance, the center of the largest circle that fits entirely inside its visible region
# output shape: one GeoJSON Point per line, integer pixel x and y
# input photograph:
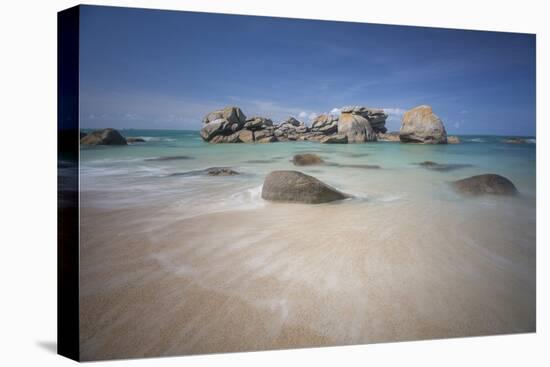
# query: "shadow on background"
{"type": "Point", "coordinates": [50, 346]}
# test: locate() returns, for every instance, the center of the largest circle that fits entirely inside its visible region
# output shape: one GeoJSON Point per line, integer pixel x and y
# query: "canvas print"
{"type": "Point", "coordinates": [246, 183]}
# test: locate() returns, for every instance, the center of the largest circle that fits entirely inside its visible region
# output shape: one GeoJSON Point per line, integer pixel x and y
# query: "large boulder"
{"type": "Point", "coordinates": [356, 127]}
{"type": "Point", "coordinates": [297, 187]}
{"type": "Point", "coordinates": [103, 137]}
{"type": "Point", "coordinates": [486, 184]}
{"type": "Point", "coordinates": [307, 159]}
{"type": "Point", "coordinates": [421, 125]}
{"type": "Point", "coordinates": [222, 122]}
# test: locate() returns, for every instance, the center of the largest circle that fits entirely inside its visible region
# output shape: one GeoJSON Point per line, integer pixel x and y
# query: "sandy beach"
{"type": "Point", "coordinates": [291, 275]}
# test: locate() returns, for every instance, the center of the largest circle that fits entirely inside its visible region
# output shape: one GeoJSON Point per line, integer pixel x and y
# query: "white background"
{"type": "Point", "coordinates": [28, 180]}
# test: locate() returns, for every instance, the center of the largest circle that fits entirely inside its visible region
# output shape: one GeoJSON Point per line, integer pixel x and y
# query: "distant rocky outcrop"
{"type": "Point", "coordinates": [515, 141]}
{"type": "Point", "coordinates": [355, 124]}
{"type": "Point", "coordinates": [486, 184]}
{"type": "Point", "coordinates": [297, 187]}
{"type": "Point", "coordinates": [103, 137]}
{"type": "Point", "coordinates": [421, 125]}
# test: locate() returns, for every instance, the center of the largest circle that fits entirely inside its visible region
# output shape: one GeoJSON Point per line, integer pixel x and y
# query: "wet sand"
{"type": "Point", "coordinates": [283, 276]}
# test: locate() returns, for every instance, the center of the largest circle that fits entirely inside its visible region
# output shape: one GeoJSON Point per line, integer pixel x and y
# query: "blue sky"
{"type": "Point", "coordinates": [166, 70]}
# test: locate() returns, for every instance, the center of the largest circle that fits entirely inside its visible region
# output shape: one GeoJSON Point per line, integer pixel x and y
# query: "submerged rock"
{"type": "Point", "coordinates": [486, 184]}
{"type": "Point", "coordinates": [103, 137]}
{"type": "Point", "coordinates": [220, 171]}
{"type": "Point", "coordinates": [421, 125]}
{"type": "Point", "coordinates": [307, 159]}
{"type": "Point", "coordinates": [170, 158]}
{"type": "Point", "coordinates": [297, 187]}
{"type": "Point", "coordinates": [442, 167]}
{"type": "Point", "coordinates": [515, 141]}
{"type": "Point", "coordinates": [135, 140]}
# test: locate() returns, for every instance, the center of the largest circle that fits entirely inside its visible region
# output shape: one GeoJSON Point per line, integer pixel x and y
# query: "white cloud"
{"type": "Point", "coordinates": [394, 112]}
{"type": "Point", "coordinates": [336, 111]}
{"type": "Point", "coordinates": [312, 115]}
{"type": "Point", "coordinates": [302, 114]}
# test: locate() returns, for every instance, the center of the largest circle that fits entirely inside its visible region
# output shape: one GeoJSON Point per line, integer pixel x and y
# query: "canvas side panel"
{"type": "Point", "coordinates": [68, 183]}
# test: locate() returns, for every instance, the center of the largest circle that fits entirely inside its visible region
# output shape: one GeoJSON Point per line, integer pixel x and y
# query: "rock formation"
{"type": "Point", "coordinates": [421, 125]}
{"type": "Point", "coordinates": [297, 187]}
{"type": "Point", "coordinates": [356, 124]}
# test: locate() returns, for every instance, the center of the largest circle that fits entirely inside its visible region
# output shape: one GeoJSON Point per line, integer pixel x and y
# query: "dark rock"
{"type": "Point", "coordinates": [103, 137]}
{"type": "Point", "coordinates": [135, 140]}
{"type": "Point", "coordinates": [220, 171]}
{"type": "Point", "coordinates": [170, 158]}
{"type": "Point", "coordinates": [486, 184]}
{"type": "Point", "coordinates": [442, 167]}
{"type": "Point", "coordinates": [297, 187]}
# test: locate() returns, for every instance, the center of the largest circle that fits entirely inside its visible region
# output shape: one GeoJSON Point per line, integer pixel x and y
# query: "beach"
{"type": "Point", "coordinates": [173, 261]}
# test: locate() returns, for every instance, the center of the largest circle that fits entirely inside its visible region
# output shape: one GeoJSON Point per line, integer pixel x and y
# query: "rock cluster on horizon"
{"type": "Point", "coordinates": [103, 137]}
{"type": "Point", "coordinates": [355, 124]}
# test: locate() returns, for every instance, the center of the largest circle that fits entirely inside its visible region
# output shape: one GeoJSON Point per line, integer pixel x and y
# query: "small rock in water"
{"type": "Point", "coordinates": [297, 187]}
{"type": "Point", "coordinates": [169, 158]}
{"type": "Point", "coordinates": [220, 171]}
{"type": "Point", "coordinates": [515, 141]}
{"type": "Point", "coordinates": [442, 167]}
{"type": "Point", "coordinates": [307, 159]}
{"type": "Point", "coordinates": [135, 140]}
{"type": "Point", "coordinates": [486, 184]}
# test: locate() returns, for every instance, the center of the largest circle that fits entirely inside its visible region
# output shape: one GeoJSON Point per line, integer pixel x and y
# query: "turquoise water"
{"type": "Point", "coordinates": [136, 169]}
